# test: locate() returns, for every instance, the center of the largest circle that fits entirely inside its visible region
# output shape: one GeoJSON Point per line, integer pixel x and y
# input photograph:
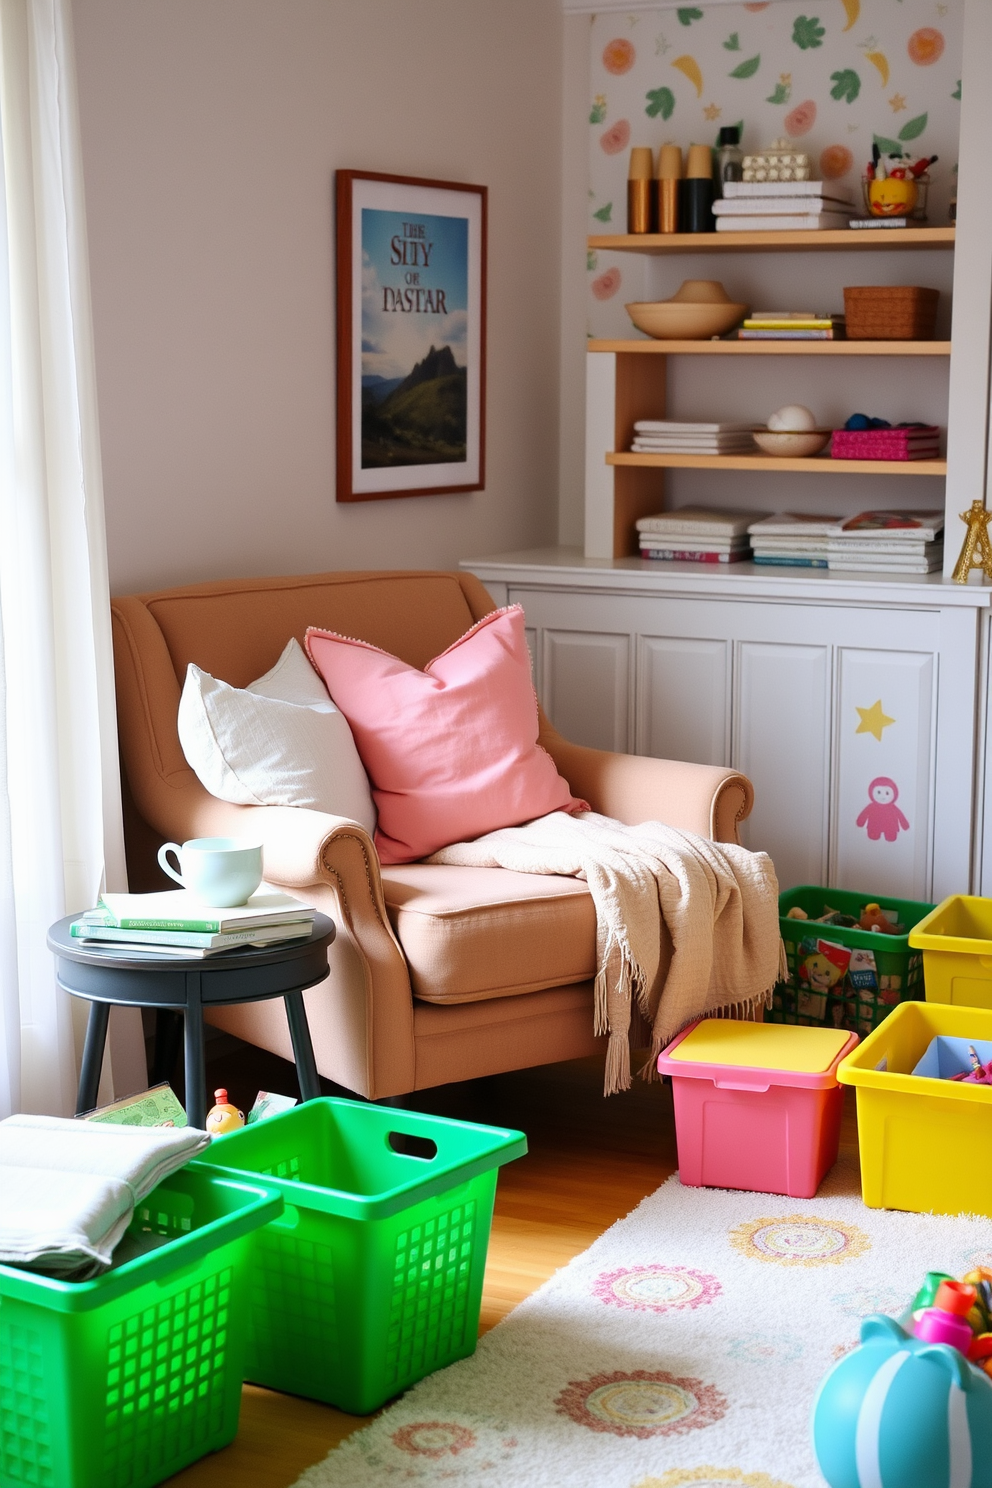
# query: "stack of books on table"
{"type": "Point", "coordinates": [782, 206]}
{"type": "Point", "coordinates": [174, 923]}
{"type": "Point", "coordinates": [669, 437]}
{"type": "Point", "coordinates": [791, 325]}
{"type": "Point", "coordinates": [906, 542]}
{"type": "Point", "coordinates": [696, 534]}
{"type": "Point", "coordinates": [792, 539]}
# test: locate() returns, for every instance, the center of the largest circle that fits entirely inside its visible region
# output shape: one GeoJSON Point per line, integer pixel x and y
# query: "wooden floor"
{"type": "Point", "coordinates": [590, 1162]}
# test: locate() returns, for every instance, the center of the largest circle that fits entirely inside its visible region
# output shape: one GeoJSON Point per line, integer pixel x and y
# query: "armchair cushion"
{"type": "Point", "coordinates": [452, 750]}
{"type": "Point", "coordinates": [470, 934]}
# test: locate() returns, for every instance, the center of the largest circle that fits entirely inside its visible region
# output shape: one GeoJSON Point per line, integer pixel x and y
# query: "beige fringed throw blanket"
{"type": "Point", "coordinates": [718, 901]}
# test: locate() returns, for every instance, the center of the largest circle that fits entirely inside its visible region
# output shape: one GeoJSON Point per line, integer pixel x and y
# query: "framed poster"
{"type": "Point", "coordinates": [411, 291]}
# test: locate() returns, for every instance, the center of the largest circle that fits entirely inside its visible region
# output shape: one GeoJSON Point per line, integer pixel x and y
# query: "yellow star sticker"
{"type": "Point", "coordinates": [897, 103]}
{"type": "Point", "coordinates": [873, 720]}
{"type": "Point", "coordinates": [712, 111]}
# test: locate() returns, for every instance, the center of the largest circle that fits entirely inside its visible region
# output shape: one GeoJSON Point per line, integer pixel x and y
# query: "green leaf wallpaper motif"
{"type": "Point", "coordinates": [660, 101]}
{"type": "Point", "coordinates": [807, 32]}
{"type": "Point", "coordinates": [846, 84]}
{"type": "Point", "coordinates": [829, 76]}
{"type": "Point", "coordinates": [914, 128]}
{"type": "Point", "coordinates": [746, 69]}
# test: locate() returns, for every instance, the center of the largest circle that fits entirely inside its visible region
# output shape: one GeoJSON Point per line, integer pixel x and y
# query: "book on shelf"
{"type": "Point", "coordinates": [883, 222]}
{"type": "Point", "coordinates": [739, 444]}
{"type": "Point", "coordinates": [915, 526]}
{"type": "Point", "coordinates": [789, 560]}
{"type": "Point", "coordinates": [791, 322]}
{"type": "Point", "coordinates": [841, 563]}
{"type": "Point", "coordinates": [674, 426]}
{"type": "Point", "coordinates": [698, 521]}
{"type": "Point", "coordinates": [711, 544]}
{"type": "Point", "coordinates": [168, 940]}
{"type": "Point", "coordinates": [794, 524]}
{"type": "Point", "coordinates": [790, 333]}
{"type": "Point", "coordinates": [688, 555]}
{"type": "Point", "coordinates": [758, 189]}
{"type": "Point", "coordinates": [791, 222]}
{"type": "Point", "coordinates": [178, 909]}
{"type": "Point", "coordinates": [779, 206]}
{"type": "Point", "coordinates": [854, 544]}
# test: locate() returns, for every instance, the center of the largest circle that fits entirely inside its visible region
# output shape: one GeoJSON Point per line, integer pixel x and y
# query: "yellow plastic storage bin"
{"type": "Point", "coordinates": [956, 941]}
{"type": "Point", "coordinates": [925, 1144]}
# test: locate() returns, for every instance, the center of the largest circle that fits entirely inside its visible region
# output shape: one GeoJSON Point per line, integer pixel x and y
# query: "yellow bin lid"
{"type": "Point", "coordinates": [768, 1046]}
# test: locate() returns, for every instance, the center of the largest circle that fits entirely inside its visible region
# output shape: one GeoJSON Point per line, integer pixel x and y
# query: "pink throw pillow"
{"type": "Point", "coordinates": [451, 751]}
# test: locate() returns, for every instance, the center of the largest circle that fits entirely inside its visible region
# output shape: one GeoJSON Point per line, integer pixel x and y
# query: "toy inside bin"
{"type": "Point", "coordinates": [956, 941]}
{"type": "Point", "coordinates": [373, 1276]}
{"type": "Point", "coordinates": [121, 1381]}
{"type": "Point", "coordinates": [926, 1143]}
{"type": "Point", "coordinates": [841, 976]}
{"type": "Point", "coordinates": [757, 1105]}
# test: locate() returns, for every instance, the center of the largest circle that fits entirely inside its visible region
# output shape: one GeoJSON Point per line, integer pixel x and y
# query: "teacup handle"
{"type": "Point", "coordinates": [166, 866]}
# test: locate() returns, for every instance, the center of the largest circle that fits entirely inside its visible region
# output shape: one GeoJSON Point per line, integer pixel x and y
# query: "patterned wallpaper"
{"type": "Point", "coordinates": [830, 75]}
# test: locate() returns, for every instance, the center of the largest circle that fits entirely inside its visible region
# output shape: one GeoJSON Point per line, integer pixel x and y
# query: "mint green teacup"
{"type": "Point", "coordinates": [219, 871]}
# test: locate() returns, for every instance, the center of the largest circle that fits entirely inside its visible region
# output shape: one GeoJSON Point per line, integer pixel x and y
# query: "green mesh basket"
{"type": "Point", "coordinates": [121, 1381]}
{"type": "Point", "coordinates": [843, 977]}
{"type": "Point", "coordinates": [372, 1277]}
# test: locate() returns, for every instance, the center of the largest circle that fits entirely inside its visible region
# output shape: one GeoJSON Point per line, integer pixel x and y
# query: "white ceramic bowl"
{"type": "Point", "coordinates": [791, 444]}
{"type": "Point", "coordinates": [683, 320]}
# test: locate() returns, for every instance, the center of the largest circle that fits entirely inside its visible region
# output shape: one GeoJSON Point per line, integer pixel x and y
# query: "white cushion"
{"type": "Point", "coordinates": [278, 742]}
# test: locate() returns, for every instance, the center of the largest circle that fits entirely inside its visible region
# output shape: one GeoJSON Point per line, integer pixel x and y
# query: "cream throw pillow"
{"type": "Point", "coordinates": [278, 742]}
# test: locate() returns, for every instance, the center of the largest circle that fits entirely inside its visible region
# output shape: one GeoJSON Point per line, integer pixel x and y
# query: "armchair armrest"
{"type": "Point", "coordinates": [706, 799]}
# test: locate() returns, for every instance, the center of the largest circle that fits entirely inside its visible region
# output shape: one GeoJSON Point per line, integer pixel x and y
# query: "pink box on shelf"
{"type": "Point", "coordinates": [921, 442]}
{"type": "Point", "coordinates": [757, 1105]}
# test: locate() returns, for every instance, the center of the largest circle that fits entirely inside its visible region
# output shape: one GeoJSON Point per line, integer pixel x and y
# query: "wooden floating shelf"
{"type": "Point", "coordinates": [847, 239]}
{"type": "Point", "coordinates": [815, 464]}
{"type": "Point", "coordinates": [775, 348]}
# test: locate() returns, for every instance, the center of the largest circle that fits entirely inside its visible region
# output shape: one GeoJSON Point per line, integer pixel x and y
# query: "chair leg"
{"type": "Point", "coordinates": [299, 1032]}
{"type": "Point", "coordinates": [92, 1064]}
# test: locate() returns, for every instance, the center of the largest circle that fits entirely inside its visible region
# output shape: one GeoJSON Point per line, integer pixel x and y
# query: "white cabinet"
{"type": "Point", "coordinates": [851, 705]}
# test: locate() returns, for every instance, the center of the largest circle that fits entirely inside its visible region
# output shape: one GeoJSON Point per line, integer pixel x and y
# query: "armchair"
{"type": "Point", "coordinates": [437, 973]}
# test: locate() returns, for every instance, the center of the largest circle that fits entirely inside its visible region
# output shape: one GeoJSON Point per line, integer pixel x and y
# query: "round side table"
{"type": "Point", "coordinates": [112, 973]}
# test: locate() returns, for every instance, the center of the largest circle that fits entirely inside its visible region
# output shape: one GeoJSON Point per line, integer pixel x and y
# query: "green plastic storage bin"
{"type": "Point", "coordinates": [372, 1276]}
{"type": "Point", "coordinates": [121, 1381]}
{"type": "Point", "coordinates": [824, 988]}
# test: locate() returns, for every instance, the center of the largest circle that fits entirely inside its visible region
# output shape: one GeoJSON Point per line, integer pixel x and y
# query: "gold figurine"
{"type": "Point", "coordinates": [976, 550]}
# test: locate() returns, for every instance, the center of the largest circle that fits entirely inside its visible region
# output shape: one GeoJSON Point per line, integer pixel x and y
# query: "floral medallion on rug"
{"type": "Point", "coordinates": [682, 1350]}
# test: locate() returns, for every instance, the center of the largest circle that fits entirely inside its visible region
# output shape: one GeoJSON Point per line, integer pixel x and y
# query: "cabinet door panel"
{"type": "Point", "coordinates": [682, 699]}
{"type": "Point", "coordinates": [881, 828]}
{"type": "Point", "coordinates": [781, 733]}
{"type": "Point", "coordinates": [585, 686]}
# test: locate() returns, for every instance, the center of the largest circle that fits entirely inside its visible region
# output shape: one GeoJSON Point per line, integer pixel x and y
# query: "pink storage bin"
{"type": "Point", "coordinates": [886, 444]}
{"type": "Point", "coordinates": [757, 1105]}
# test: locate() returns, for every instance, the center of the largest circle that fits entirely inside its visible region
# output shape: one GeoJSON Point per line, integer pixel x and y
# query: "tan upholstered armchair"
{"type": "Point", "coordinates": [437, 973]}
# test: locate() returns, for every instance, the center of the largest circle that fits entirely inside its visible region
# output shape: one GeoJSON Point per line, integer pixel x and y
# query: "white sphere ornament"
{"type": "Point", "coordinates": [793, 418]}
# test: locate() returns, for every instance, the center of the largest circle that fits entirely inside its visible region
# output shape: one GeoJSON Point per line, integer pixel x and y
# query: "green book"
{"type": "Point", "coordinates": [177, 909]}
{"type": "Point", "coordinates": [179, 940]}
{"type": "Point", "coordinates": [158, 1106]}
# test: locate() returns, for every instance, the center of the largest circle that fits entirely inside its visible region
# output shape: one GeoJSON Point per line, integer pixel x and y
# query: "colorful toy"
{"type": "Point", "coordinates": [873, 917]}
{"type": "Point", "coordinates": [902, 1413]}
{"type": "Point", "coordinates": [947, 1320]}
{"type": "Point", "coordinates": [223, 1117]}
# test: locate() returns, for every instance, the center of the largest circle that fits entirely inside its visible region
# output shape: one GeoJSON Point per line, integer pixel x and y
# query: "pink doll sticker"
{"type": "Point", "coordinates": [882, 816]}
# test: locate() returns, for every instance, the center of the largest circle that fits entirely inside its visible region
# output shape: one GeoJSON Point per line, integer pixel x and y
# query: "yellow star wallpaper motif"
{"type": "Point", "coordinates": [873, 720]}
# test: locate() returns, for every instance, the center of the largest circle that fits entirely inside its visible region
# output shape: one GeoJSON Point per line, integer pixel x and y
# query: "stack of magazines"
{"type": "Point", "coordinates": [667, 437]}
{"type": "Point", "coordinates": [782, 206]}
{"type": "Point", "coordinates": [906, 542]}
{"type": "Point", "coordinates": [791, 325]}
{"type": "Point", "coordinates": [696, 534]}
{"type": "Point", "coordinates": [174, 923]}
{"type": "Point", "coordinates": [792, 539]}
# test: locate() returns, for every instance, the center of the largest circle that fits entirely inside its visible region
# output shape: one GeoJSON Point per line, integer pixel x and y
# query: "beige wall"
{"type": "Point", "coordinates": [211, 131]}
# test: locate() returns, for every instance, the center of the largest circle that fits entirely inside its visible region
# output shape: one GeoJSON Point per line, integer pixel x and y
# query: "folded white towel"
{"type": "Point", "coordinates": [70, 1187]}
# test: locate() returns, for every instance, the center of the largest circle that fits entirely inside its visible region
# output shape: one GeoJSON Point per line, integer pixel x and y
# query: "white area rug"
{"type": "Point", "coordinates": [683, 1348]}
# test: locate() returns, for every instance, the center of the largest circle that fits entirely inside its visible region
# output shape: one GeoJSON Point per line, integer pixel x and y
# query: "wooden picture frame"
{"type": "Point", "coordinates": [411, 336]}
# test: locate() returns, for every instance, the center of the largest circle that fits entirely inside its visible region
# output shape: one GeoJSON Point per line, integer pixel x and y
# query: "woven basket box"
{"type": "Point", "coordinates": [890, 312]}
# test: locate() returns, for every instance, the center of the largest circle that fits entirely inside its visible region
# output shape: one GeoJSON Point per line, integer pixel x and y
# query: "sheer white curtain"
{"type": "Point", "coordinates": [60, 822]}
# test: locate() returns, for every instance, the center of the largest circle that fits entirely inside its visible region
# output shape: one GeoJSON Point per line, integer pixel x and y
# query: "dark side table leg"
{"type": "Point", "coordinates": [93, 1047]}
{"type": "Point", "coordinates": [299, 1032]}
{"type": "Point", "coordinates": [196, 1077]}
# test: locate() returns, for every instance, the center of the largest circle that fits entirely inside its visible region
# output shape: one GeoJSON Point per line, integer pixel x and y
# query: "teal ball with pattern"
{"type": "Point", "coordinates": [901, 1413]}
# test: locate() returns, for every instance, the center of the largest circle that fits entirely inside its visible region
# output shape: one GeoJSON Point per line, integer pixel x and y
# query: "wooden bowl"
{"type": "Point", "coordinates": [685, 320]}
{"type": "Point", "coordinates": [792, 444]}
